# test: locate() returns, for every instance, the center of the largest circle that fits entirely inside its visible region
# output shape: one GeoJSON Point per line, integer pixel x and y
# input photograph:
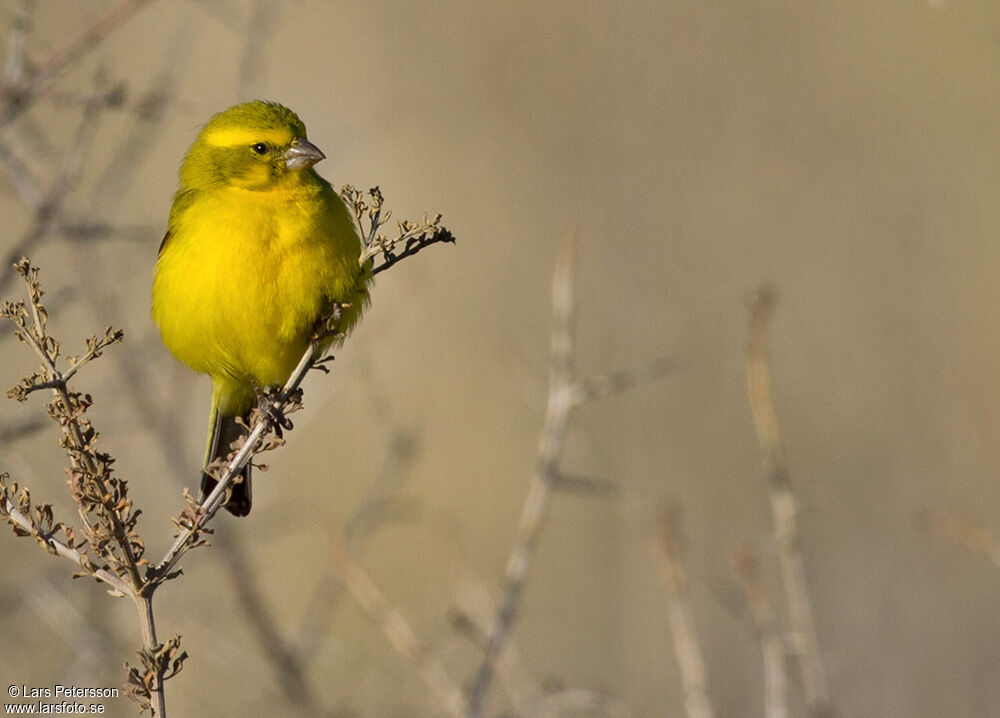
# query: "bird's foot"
{"type": "Point", "coordinates": [270, 404]}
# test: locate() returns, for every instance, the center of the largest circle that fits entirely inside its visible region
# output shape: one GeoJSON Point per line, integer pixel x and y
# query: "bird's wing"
{"type": "Point", "coordinates": [182, 200]}
{"type": "Point", "coordinates": [164, 242]}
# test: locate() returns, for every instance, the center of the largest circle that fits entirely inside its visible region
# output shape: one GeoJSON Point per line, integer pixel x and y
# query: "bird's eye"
{"type": "Point", "coordinates": [260, 148]}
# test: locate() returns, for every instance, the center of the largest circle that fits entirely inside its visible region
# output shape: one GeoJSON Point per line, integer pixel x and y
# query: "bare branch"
{"type": "Point", "coordinates": [47, 210]}
{"type": "Point", "coordinates": [784, 510]}
{"type": "Point", "coordinates": [564, 394]}
{"type": "Point", "coordinates": [396, 628]}
{"type": "Point", "coordinates": [96, 491]}
{"type": "Point", "coordinates": [973, 538]}
{"type": "Point", "coordinates": [108, 517]}
{"type": "Point", "coordinates": [771, 644]}
{"type": "Point", "coordinates": [21, 177]}
{"type": "Point", "coordinates": [16, 66]}
{"type": "Point", "coordinates": [280, 653]}
{"type": "Point", "coordinates": [687, 649]}
{"type": "Point", "coordinates": [18, 520]}
{"type": "Point", "coordinates": [159, 662]}
{"type": "Point", "coordinates": [616, 382]}
{"type": "Point", "coordinates": [585, 485]}
{"type": "Point", "coordinates": [369, 220]}
{"type": "Point", "coordinates": [472, 620]}
{"type": "Point", "coordinates": [558, 407]}
{"type": "Point", "coordinates": [193, 523]}
{"type": "Point", "coordinates": [19, 98]}
{"type": "Point", "coordinates": [366, 518]}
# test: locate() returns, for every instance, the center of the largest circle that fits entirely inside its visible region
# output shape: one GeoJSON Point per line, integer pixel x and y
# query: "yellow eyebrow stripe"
{"type": "Point", "coordinates": [234, 136]}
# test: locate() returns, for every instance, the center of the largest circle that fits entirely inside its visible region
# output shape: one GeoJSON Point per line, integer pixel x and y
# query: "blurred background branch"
{"type": "Point", "coordinates": [687, 649]}
{"type": "Point", "coordinates": [565, 393]}
{"type": "Point", "coordinates": [784, 511]}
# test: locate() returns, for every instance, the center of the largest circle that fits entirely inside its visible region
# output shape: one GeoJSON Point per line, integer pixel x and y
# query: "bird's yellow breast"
{"type": "Point", "coordinates": [244, 275]}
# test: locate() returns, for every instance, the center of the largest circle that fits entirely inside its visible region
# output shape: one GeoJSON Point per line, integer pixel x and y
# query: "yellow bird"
{"type": "Point", "coordinates": [257, 247]}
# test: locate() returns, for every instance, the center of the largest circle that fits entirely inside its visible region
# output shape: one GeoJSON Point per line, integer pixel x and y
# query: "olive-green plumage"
{"type": "Point", "coordinates": [258, 246]}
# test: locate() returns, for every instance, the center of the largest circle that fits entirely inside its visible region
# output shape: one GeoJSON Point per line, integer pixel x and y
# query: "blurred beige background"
{"type": "Point", "coordinates": [844, 152]}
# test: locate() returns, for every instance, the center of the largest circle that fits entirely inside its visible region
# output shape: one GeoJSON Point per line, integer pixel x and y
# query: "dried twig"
{"type": "Point", "coordinates": [18, 98]}
{"type": "Point", "coordinates": [687, 649]}
{"type": "Point", "coordinates": [366, 518]}
{"type": "Point", "coordinates": [472, 620]}
{"type": "Point", "coordinates": [16, 66]}
{"type": "Point", "coordinates": [109, 522]}
{"type": "Point", "coordinates": [564, 394]}
{"type": "Point", "coordinates": [410, 237]}
{"type": "Point", "coordinates": [962, 532]}
{"type": "Point", "coordinates": [48, 207]}
{"type": "Point", "coordinates": [772, 645]}
{"type": "Point", "coordinates": [290, 670]}
{"type": "Point", "coordinates": [784, 510]}
{"type": "Point", "coordinates": [25, 522]}
{"type": "Point", "coordinates": [280, 653]}
{"type": "Point", "coordinates": [108, 519]}
{"type": "Point", "coordinates": [558, 407]}
{"type": "Point", "coordinates": [20, 176]}
{"type": "Point", "coordinates": [396, 628]}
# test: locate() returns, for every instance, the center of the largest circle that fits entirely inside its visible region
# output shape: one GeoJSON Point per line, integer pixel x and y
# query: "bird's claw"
{"type": "Point", "coordinates": [270, 407]}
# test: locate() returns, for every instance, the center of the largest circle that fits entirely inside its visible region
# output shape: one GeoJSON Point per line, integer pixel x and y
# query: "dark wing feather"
{"type": "Point", "coordinates": [182, 200]}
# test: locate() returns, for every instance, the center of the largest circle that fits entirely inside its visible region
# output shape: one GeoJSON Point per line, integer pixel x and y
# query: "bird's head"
{"type": "Point", "coordinates": [255, 145]}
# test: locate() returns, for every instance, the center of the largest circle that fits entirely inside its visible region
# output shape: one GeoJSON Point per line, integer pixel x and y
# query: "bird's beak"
{"type": "Point", "coordinates": [301, 155]}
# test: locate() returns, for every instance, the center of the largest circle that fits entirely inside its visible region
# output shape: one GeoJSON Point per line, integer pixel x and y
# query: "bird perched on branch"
{"type": "Point", "coordinates": [257, 248]}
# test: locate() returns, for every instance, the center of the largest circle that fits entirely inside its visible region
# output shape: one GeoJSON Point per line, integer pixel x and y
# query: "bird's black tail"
{"type": "Point", "coordinates": [225, 431]}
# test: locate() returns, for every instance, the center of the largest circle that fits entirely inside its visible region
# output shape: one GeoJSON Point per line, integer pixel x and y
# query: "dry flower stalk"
{"type": "Point", "coordinates": [107, 545]}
